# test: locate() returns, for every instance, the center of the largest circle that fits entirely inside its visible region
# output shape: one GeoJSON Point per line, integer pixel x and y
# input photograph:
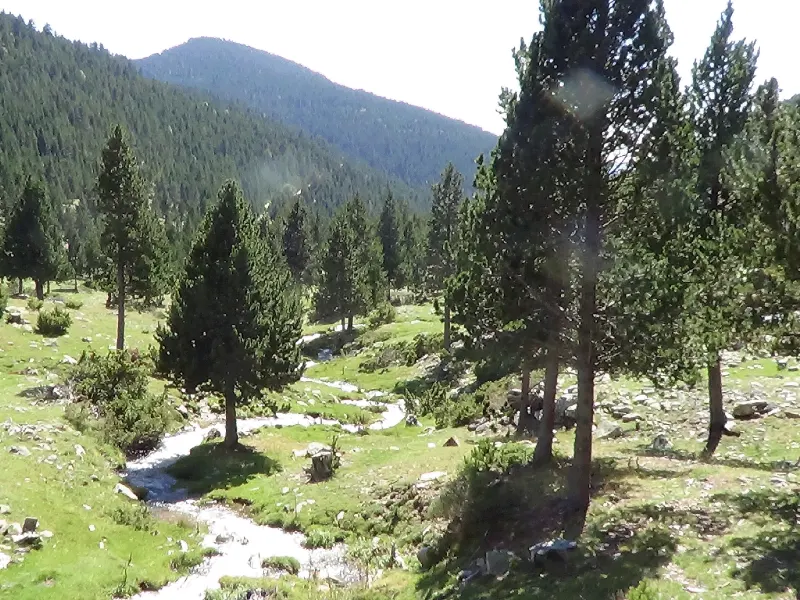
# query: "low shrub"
{"type": "Point", "coordinates": [427, 343]}
{"type": "Point", "coordinates": [317, 537]}
{"type": "Point", "coordinates": [34, 303]}
{"type": "Point", "coordinates": [113, 390]}
{"type": "Point", "coordinates": [73, 304]}
{"type": "Point", "coordinates": [402, 297]}
{"type": "Point", "coordinates": [3, 297]}
{"type": "Point", "coordinates": [382, 315]}
{"type": "Point", "coordinates": [53, 322]}
{"type": "Point", "coordinates": [136, 516]}
{"type": "Point", "coordinates": [283, 564]}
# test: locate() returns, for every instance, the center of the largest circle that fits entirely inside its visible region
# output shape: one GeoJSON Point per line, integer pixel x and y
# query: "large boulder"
{"type": "Point", "coordinates": [749, 409]}
{"type": "Point", "coordinates": [426, 557]}
{"type": "Point", "coordinates": [555, 550]}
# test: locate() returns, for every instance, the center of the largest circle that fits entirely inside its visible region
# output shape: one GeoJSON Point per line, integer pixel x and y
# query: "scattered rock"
{"type": "Point", "coordinates": [19, 450]}
{"type": "Point", "coordinates": [183, 545]}
{"type": "Point", "coordinates": [749, 409]}
{"type": "Point", "coordinates": [631, 418]}
{"type": "Point", "coordinates": [14, 529]}
{"type": "Point", "coordinates": [661, 443]}
{"type": "Point", "coordinates": [791, 414]}
{"type": "Point", "coordinates": [340, 516]}
{"type": "Point", "coordinates": [641, 398]}
{"type": "Point", "coordinates": [554, 550]}
{"type": "Point", "coordinates": [498, 562]}
{"type": "Point", "coordinates": [432, 476]}
{"type": "Point", "coordinates": [451, 442]}
{"type": "Point", "coordinates": [4, 509]}
{"type": "Point", "coordinates": [79, 450]}
{"type": "Point", "coordinates": [620, 411]}
{"type": "Point", "coordinates": [412, 420]}
{"type": "Point", "coordinates": [183, 411]}
{"type": "Point", "coordinates": [608, 431]}
{"type": "Point", "coordinates": [213, 434]}
{"type": "Point", "coordinates": [30, 539]}
{"type": "Point", "coordinates": [86, 339]}
{"type": "Point", "coordinates": [91, 527]}
{"type": "Point", "coordinates": [426, 557]}
{"type": "Point", "coordinates": [223, 538]}
{"type": "Point", "coordinates": [125, 491]}
{"type": "Point", "coordinates": [5, 560]}
{"type": "Point", "coordinates": [30, 524]}
{"type": "Point", "coordinates": [782, 363]}
{"type": "Point", "coordinates": [68, 360]}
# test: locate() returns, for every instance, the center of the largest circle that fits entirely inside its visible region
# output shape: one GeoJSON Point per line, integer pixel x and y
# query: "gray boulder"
{"type": "Point", "coordinates": [661, 443]}
{"type": "Point", "coordinates": [412, 420]}
{"type": "Point", "coordinates": [555, 550]}
{"type": "Point", "coordinates": [426, 557]}
{"type": "Point", "coordinates": [213, 434]}
{"type": "Point", "coordinates": [749, 409]}
{"type": "Point", "coordinates": [498, 562]}
{"type": "Point", "coordinates": [30, 524]}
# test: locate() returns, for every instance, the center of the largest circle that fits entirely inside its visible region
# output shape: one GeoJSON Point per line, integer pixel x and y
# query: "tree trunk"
{"type": "Point", "coordinates": [716, 426]}
{"type": "Point", "coordinates": [19, 289]}
{"type": "Point", "coordinates": [76, 283]}
{"type": "Point", "coordinates": [39, 289]}
{"type": "Point", "coordinates": [447, 327]}
{"type": "Point", "coordinates": [231, 431]}
{"type": "Point", "coordinates": [581, 472]}
{"type": "Point", "coordinates": [48, 288]}
{"type": "Point", "coordinates": [350, 323]}
{"type": "Point", "coordinates": [525, 417]}
{"type": "Point", "coordinates": [344, 323]}
{"type": "Point", "coordinates": [120, 306]}
{"type": "Point", "coordinates": [543, 453]}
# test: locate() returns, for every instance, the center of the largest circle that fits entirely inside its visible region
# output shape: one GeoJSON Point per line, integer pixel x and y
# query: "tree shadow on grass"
{"type": "Point", "coordinates": [525, 505]}
{"type": "Point", "coordinates": [769, 559]}
{"type": "Point", "coordinates": [736, 463]}
{"type": "Point", "coordinates": [211, 467]}
{"type": "Point", "coordinates": [331, 340]}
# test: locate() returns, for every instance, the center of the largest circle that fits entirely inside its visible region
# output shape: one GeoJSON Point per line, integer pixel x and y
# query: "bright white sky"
{"type": "Point", "coordinates": [450, 56]}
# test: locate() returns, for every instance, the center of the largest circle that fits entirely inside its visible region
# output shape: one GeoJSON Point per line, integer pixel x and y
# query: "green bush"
{"type": "Point", "coordinates": [3, 297]}
{"type": "Point", "coordinates": [427, 343]}
{"type": "Point", "coordinates": [35, 303]}
{"type": "Point", "coordinates": [284, 564]}
{"type": "Point", "coordinates": [113, 390]}
{"type": "Point", "coordinates": [73, 304]}
{"type": "Point", "coordinates": [53, 322]}
{"type": "Point", "coordinates": [383, 315]}
{"type": "Point", "coordinates": [136, 516]}
{"type": "Point", "coordinates": [319, 538]}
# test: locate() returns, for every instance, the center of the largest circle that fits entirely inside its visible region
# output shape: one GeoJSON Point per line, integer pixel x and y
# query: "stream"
{"type": "Point", "coordinates": [241, 543]}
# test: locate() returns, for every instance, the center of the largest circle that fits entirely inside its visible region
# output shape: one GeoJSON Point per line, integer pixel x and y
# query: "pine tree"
{"type": "Point", "coordinates": [447, 196]}
{"type": "Point", "coordinates": [390, 232]}
{"type": "Point", "coordinates": [150, 275]}
{"type": "Point", "coordinates": [413, 252]}
{"type": "Point", "coordinates": [122, 203]}
{"type": "Point", "coordinates": [352, 278]}
{"type": "Point", "coordinates": [235, 319]}
{"type": "Point", "coordinates": [33, 245]}
{"type": "Point", "coordinates": [721, 99]}
{"type": "Point", "coordinates": [602, 56]}
{"type": "Point", "coordinates": [296, 247]}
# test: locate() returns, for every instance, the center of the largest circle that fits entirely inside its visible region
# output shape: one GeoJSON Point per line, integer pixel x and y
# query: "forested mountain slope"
{"type": "Point", "coordinates": [409, 142]}
{"type": "Point", "coordinates": [58, 100]}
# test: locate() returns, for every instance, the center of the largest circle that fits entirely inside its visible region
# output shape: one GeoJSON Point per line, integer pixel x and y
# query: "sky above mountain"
{"type": "Point", "coordinates": [450, 56]}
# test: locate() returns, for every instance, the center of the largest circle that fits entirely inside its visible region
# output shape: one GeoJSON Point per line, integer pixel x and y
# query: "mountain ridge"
{"type": "Point", "coordinates": [404, 140]}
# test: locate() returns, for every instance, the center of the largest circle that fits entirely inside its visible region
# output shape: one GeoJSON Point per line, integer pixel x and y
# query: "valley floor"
{"type": "Point", "coordinates": [663, 524]}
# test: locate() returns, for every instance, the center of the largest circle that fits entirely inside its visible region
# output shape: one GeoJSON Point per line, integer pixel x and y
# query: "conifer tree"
{"type": "Point", "coordinates": [446, 199]}
{"type": "Point", "coordinates": [122, 202]}
{"type": "Point", "coordinates": [390, 233]}
{"type": "Point", "coordinates": [150, 275]}
{"type": "Point", "coordinates": [33, 245]}
{"type": "Point", "coordinates": [235, 318]}
{"type": "Point", "coordinates": [296, 247]}
{"type": "Point", "coordinates": [721, 98]}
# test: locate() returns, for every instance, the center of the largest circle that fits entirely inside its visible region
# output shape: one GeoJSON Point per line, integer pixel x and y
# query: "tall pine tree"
{"type": "Point", "coordinates": [296, 247]}
{"type": "Point", "coordinates": [390, 233]}
{"type": "Point", "coordinates": [33, 245]}
{"type": "Point", "coordinates": [122, 202]}
{"type": "Point", "coordinates": [442, 236]}
{"type": "Point", "coordinates": [235, 318]}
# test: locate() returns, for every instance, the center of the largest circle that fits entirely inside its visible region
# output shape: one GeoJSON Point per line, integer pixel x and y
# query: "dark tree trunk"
{"type": "Point", "coordinates": [344, 323]}
{"type": "Point", "coordinates": [120, 306]}
{"type": "Point", "coordinates": [231, 431]}
{"type": "Point", "coordinates": [350, 323]}
{"type": "Point", "coordinates": [19, 289]}
{"type": "Point", "coordinates": [544, 445]}
{"type": "Point", "coordinates": [581, 472]}
{"type": "Point", "coordinates": [76, 283]}
{"type": "Point", "coordinates": [48, 288]}
{"type": "Point", "coordinates": [447, 327]}
{"type": "Point", "coordinates": [525, 414]}
{"type": "Point", "coordinates": [39, 289]}
{"type": "Point", "coordinates": [716, 426]}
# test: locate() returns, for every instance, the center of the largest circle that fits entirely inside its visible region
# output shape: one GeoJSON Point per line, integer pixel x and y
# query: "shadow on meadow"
{"type": "Point", "coordinates": [616, 551]}
{"type": "Point", "coordinates": [212, 466]}
{"type": "Point", "coordinates": [735, 463]}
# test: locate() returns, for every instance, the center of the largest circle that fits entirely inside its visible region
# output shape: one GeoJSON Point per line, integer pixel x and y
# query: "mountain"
{"type": "Point", "coordinates": [406, 141]}
{"type": "Point", "coordinates": [59, 99]}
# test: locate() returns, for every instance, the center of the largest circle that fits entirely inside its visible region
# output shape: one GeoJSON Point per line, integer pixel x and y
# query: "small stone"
{"type": "Point", "coordinates": [29, 539]}
{"type": "Point", "coordinates": [608, 431]}
{"type": "Point", "coordinates": [661, 443]}
{"type": "Point", "coordinates": [451, 442]}
{"type": "Point", "coordinates": [339, 516]}
{"type": "Point", "coordinates": [86, 339]}
{"type": "Point", "coordinates": [183, 411]}
{"type": "Point", "coordinates": [4, 509]}
{"type": "Point", "coordinates": [68, 360]}
{"type": "Point", "coordinates": [641, 398]}
{"type": "Point", "coordinates": [432, 476]}
{"type": "Point", "coordinates": [431, 445]}
{"type": "Point", "coordinates": [213, 434]}
{"type": "Point", "coordinates": [19, 451]}
{"type": "Point", "coordinates": [125, 491]}
{"type": "Point", "coordinates": [46, 534]}
{"type": "Point", "coordinates": [412, 421]}
{"type": "Point", "coordinates": [91, 527]}
{"type": "Point", "coordinates": [30, 524]}
{"type": "Point", "coordinates": [749, 409]}
{"type": "Point", "coordinates": [5, 560]}
{"type": "Point", "coordinates": [426, 557]}
{"type": "Point", "coordinates": [183, 545]}
{"type": "Point", "coordinates": [791, 414]}
{"type": "Point", "coordinates": [79, 450]}
{"type": "Point", "coordinates": [223, 538]}
{"type": "Point", "coordinates": [782, 363]}
{"type": "Point", "coordinates": [631, 418]}
{"type": "Point", "coordinates": [102, 545]}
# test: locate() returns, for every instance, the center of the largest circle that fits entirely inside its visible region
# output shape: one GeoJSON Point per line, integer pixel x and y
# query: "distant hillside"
{"type": "Point", "coordinates": [408, 142]}
{"type": "Point", "coordinates": [58, 100]}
